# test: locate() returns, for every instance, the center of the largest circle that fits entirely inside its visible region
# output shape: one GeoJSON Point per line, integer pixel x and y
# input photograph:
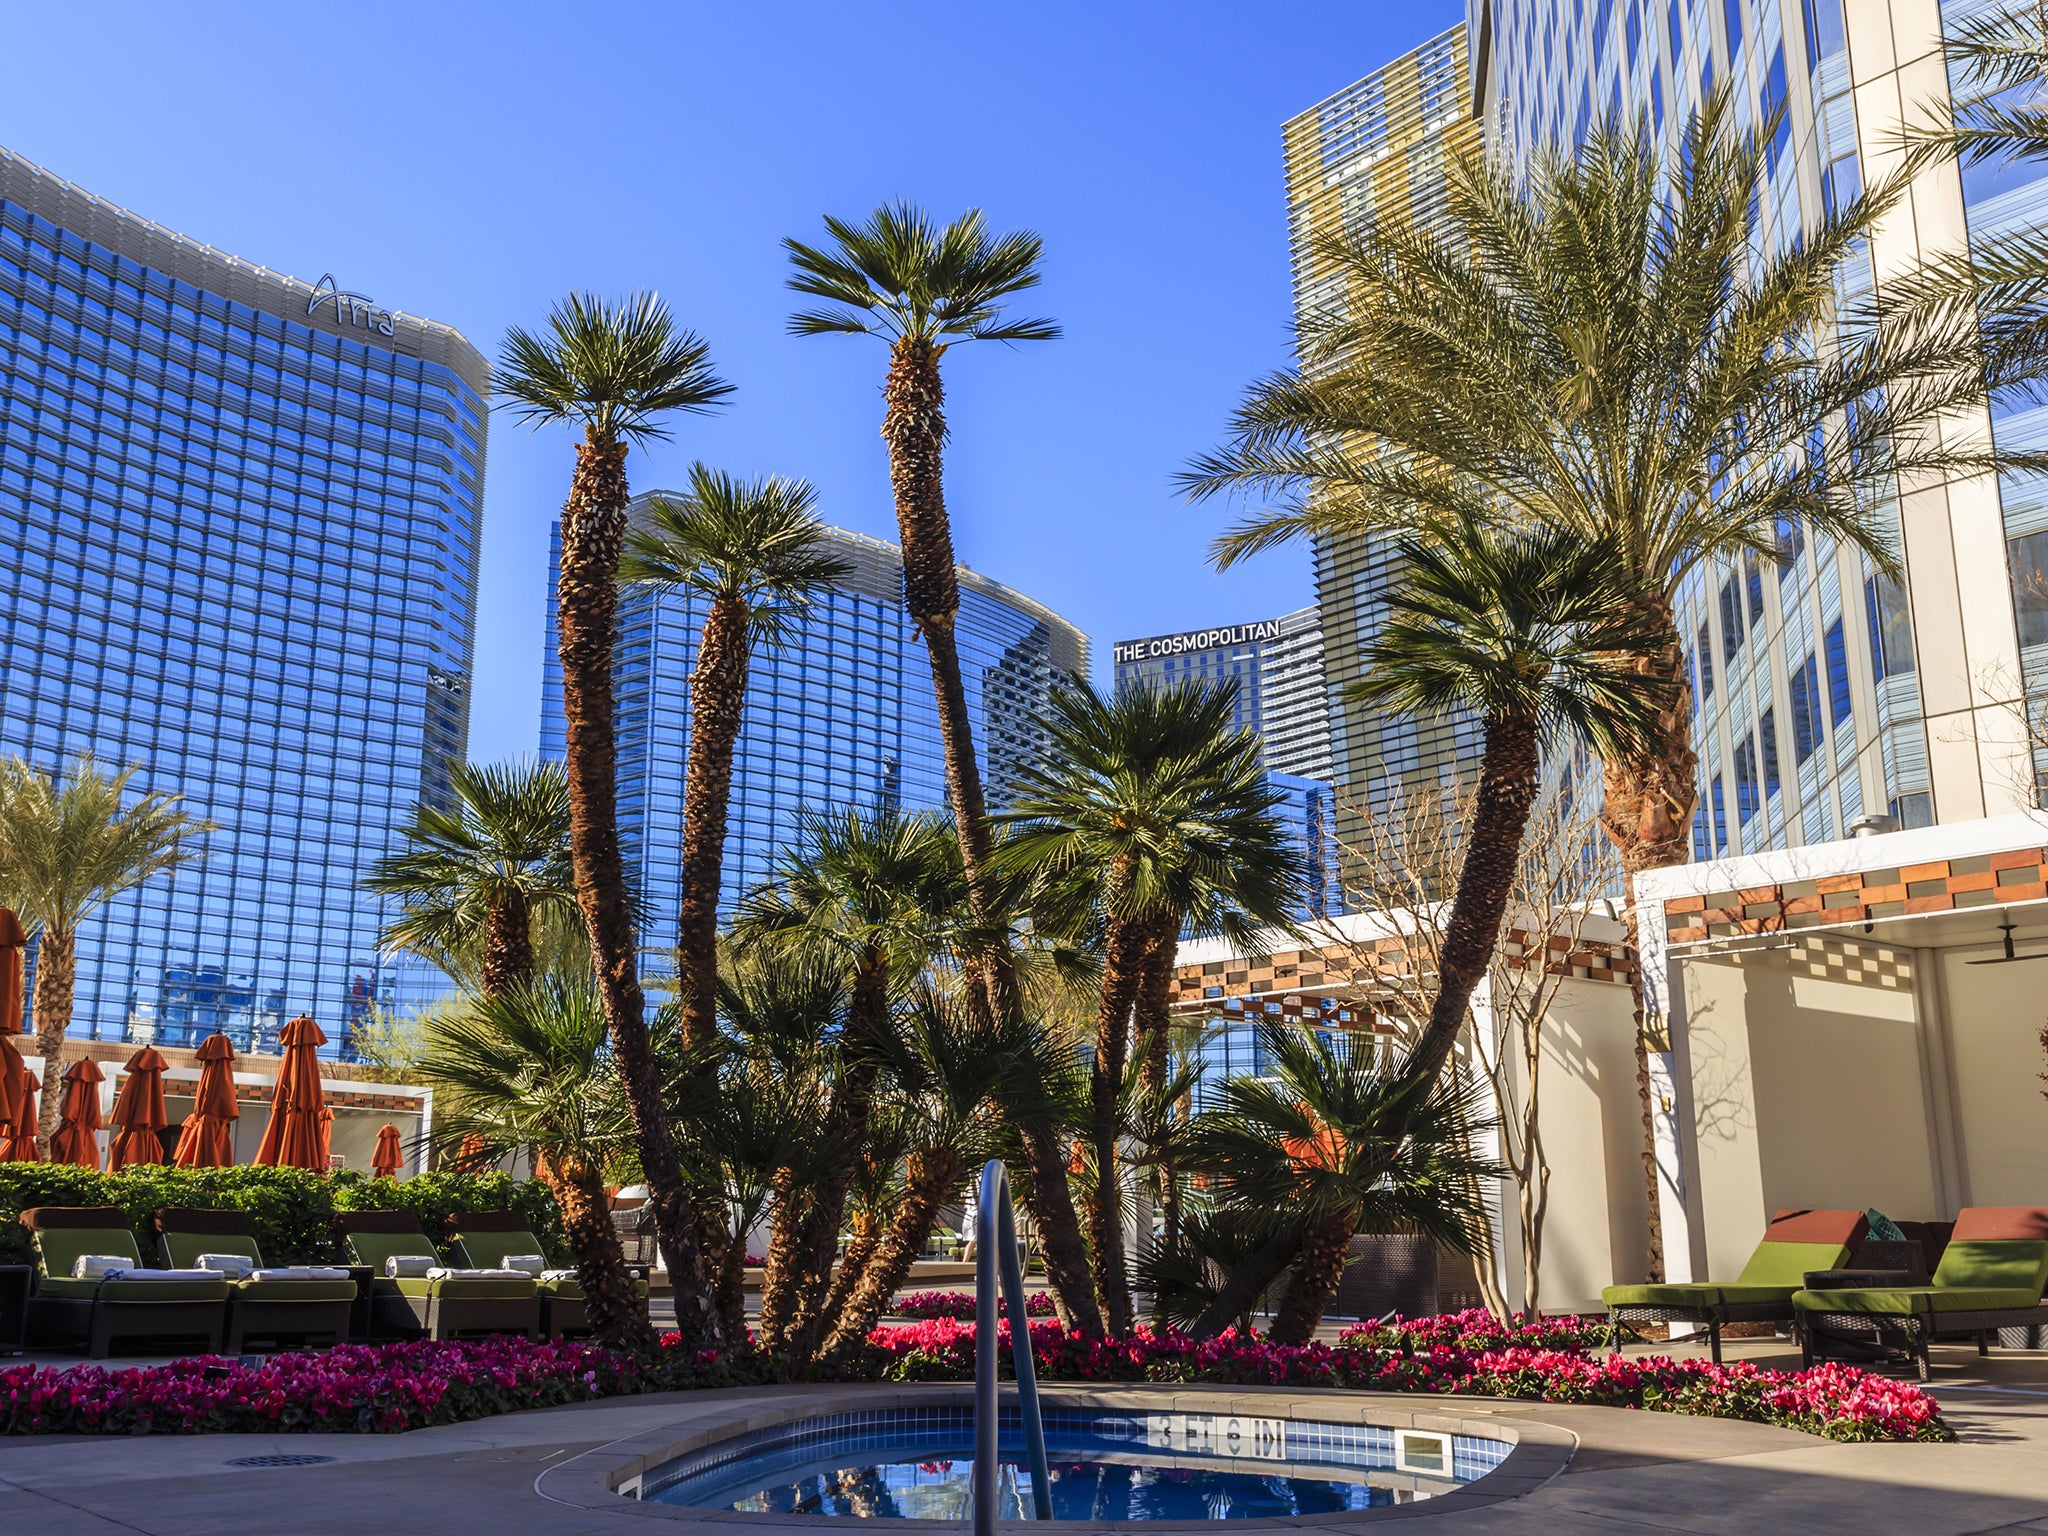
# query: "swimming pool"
{"type": "Point", "coordinates": [917, 1463]}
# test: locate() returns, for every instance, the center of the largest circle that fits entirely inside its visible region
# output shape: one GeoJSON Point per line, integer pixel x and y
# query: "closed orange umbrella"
{"type": "Point", "coordinates": [471, 1156]}
{"type": "Point", "coordinates": [389, 1156]}
{"type": "Point", "coordinates": [12, 1068]}
{"type": "Point", "coordinates": [207, 1140]}
{"type": "Point", "coordinates": [297, 1135]}
{"type": "Point", "coordinates": [139, 1112]}
{"type": "Point", "coordinates": [78, 1116]}
{"type": "Point", "coordinates": [18, 1141]}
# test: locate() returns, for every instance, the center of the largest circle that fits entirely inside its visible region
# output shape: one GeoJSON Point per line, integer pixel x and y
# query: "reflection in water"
{"type": "Point", "coordinates": [940, 1489]}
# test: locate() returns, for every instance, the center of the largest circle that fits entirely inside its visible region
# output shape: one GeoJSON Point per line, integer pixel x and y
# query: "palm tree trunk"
{"type": "Point", "coordinates": [1123, 968]}
{"type": "Point", "coordinates": [1318, 1269]}
{"type": "Point", "coordinates": [718, 697]}
{"type": "Point", "coordinates": [1649, 800]}
{"type": "Point", "coordinates": [779, 1283]}
{"type": "Point", "coordinates": [1153, 1020]}
{"type": "Point", "coordinates": [845, 1134]}
{"type": "Point", "coordinates": [868, 1232]}
{"type": "Point", "coordinates": [56, 983]}
{"type": "Point", "coordinates": [587, 599]}
{"type": "Point", "coordinates": [1500, 820]}
{"type": "Point", "coordinates": [1248, 1281]}
{"type": "Point", "coordinates": [609, 1294]}
{"type": "Point", "coordinates": [914, 426]}
{"type": "Point", "coordinates": [933, 1177]}
{"type": "Point", "coordinates": [508, 945]}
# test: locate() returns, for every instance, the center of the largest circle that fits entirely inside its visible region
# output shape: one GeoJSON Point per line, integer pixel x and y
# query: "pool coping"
{"type": "Point", "coordinates": [1538, 1452]}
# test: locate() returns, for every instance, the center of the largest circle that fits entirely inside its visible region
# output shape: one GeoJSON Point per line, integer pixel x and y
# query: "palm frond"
{"type": "Point", "coordinates": [613, 369]}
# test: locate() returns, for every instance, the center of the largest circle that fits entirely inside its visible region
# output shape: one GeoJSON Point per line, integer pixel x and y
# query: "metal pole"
{"type": "Point", "coordinates": [995, 1234]}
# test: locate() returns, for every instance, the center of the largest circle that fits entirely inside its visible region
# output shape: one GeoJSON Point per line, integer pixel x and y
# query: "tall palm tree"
{"type": "Point", "coordinates": [922, 289]}
{"type": "Point", "coordinates": [1306, 1143]}
{"type": "Point", "coordinates": [755, 553]}
{"type": "Point", "coordinates": [479, 876]}
{"type": "Point", "coordinates": [527, 1067]}
{"type": "Point", "coordinates": [1625, 350]}
{"type": "Point", "coordinates": [1534, 633]}
{"type": "Point", "coordinates": [614, 371]}
{"type": "Point", "coordinates": [1155, 807]}
{"type": "Point", "coordinates": [68, 847]}
{"type": "Point", "coordinates": [877, 897]}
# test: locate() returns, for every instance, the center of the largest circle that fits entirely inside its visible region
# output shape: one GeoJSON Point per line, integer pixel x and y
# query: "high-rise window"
{"type": "Point", "coordinates": [1891, 628]}
{"type": "Point", "coordinates": [1767, 735]}
{"type": "Point", "coordinates": [1748, 797]}
{"type": "Point", "coordinates": [1824, 31]}
{"type": "Point", "coordinates": [2028, 555]}
{"type": "Point", "coordinates": [1804, 688]}
{"type": "Point", "coordinates": [1732, 628]}
{"type": "Point", "coordinates": [1840, 706]}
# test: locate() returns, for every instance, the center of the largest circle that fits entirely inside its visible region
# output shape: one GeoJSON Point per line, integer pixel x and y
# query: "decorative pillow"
{"type": "Point", "coordinates": [410, 1266]}
{"type": "Point", "coordinates": [532, 1263]}
{"type": "Point", "coordinates": [1882, 1228]}
{"type": "Point", "coordinates": [236, 1266]}
{"type": "Point", "coordinates": [98, 1266]}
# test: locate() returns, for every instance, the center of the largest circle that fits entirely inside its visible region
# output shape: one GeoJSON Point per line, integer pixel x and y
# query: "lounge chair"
{"type": "Point", "coordinates": [1991, 1276]}
{"type": "Point", "coordinates": [487, 1239]}
{"type": "Point", "coordinates": [280, 1309]}
{"type": "Point", "coordinates": [1795, 1243]}
{"type": "Point", "coordinates": [442, 1307]}
{"type": "Point", "coordinates": [97, 1312]}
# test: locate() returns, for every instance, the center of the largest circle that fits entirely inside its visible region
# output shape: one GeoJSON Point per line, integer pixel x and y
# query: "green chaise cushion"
{"type": "Point", "coordinates": [1795, 1242]}
{"type": "Point", "coordinates": [58, 1249]}
{"type": "Point", "coordinates": [184, 1248]}
{"type": "Point", "coordinates": [134, 1290]}
{"type": "Point", "coordinates": [295, 1290]}
{"type": "Point", "coordinates": [1877, 1301]}
{"type": "Point", "coordinates": [457, 1289]}
{"type": "Point", "coordinates": [373, 1248]}
{"type": "Point", "coordinates": [1786, 1265]}
{"type": "Point", "coordinates": [1699, 1296]}
{"type": "Point", "coordinates": [1987, 1264]}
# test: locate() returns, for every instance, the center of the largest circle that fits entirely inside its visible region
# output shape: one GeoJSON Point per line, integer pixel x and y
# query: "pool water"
{"type": "Point", "coordinates": [918, 1464]}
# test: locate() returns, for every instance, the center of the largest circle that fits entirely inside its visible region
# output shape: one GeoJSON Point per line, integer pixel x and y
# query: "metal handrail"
{"type": "Point", "coordinates": [995, 1233]}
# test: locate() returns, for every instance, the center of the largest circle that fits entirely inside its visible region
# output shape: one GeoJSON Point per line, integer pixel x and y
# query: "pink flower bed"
{"type": "Point", "coordinates": [960, 1304]}
{"type": "Point", "coordinates": [373, 1388]}
{"type": "Point", "coordinates": [1544, 1360]}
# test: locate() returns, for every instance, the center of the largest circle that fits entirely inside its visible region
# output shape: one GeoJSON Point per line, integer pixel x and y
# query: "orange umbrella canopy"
{"type": "Point", "coordinates": [297, 1136]}
{"type": "Point", "coordinates": [139, 1112]}
{"type": "Point", "coordinates": [207, 1139]}
{"type": "Point", "coordinates": [389, 1156]}
{"type": "Point", "coordinates": [78, 1116]}
{"type": "Point", "coordinates": [18, 1140]}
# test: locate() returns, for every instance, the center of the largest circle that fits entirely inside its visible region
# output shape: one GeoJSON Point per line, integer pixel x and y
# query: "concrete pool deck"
{"type": "Point", "coordinates": [1629, 1474]}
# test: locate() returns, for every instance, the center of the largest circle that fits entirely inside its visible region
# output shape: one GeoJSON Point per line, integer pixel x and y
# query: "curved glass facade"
{"type": "Point", "coordinates": [239, 514]}
{"type": "Point", "coordinates": [841, 714]}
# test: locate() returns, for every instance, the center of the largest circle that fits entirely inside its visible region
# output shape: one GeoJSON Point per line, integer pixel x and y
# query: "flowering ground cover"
{"type": "Point", "coordinates": [960, 1304]}
{"type": "Point", "coordinates": [372, 1388]}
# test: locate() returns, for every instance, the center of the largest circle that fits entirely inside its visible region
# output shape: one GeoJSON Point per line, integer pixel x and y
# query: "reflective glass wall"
{"type": "Point", "coordinates": [239, 521]}
{"type": "Point", "coordinates": [841, 714]}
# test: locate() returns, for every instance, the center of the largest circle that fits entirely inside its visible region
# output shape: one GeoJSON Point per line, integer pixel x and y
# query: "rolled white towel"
{"type": "Point", "coordinates": [235, 1266]}
{"type": "Point", "coordinates": [97, 1266]}
{"type": "Point", "coordinates": [410, 1266]}
{"type": "Point", "coordinates": [126, 1272]}
{"type": "Point", "coordinates": [440, 1273]}
{"type": "Point", "coordinates": [532, 1263]}
{"type": "Point", "coordinates": [300, 1272]}
{"type": "Point", "coordinates": [554, 1276]}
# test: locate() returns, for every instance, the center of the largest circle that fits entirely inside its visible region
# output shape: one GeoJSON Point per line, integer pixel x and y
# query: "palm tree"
{"type": "Point", "coordinates": [1307, 1144]}
{"type": "Point", "coordinates": [922, 289]}
{"type": "Point", "coordinates": [527, 1067]}
{"type": "Point", "coordinates": [479, 876]}
{"type": "Point", "coordinates": [1534, 633]}
{"type": "Point", "coordinates": [1623, 350]}
{"type": "Point", "coordinates": [67, 848]}
{"type": "Point", "coordinates": [1157, 808]}
{"type": "Point", "coordinates": [755, 553]}
{"type": "Point", "coordinates": [876, 897]}
{"type": "Point", "coordinates": [614, 371]}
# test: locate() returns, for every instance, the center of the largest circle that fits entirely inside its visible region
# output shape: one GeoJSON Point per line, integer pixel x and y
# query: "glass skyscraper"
{"type": "Point", "coordinates": [1377, 152]}
{"type": "Point", "coordinates": [841, 714]}
{"type": "Point", "coordinates": [1823, 692]}
{"type": "Point", "coordinates": [239, 517]}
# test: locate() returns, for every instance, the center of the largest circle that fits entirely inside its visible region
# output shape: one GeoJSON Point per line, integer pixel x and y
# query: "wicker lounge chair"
{"type": "Point", "coordinates": [278, 1309]}
{"type": "Point", "coordinates": [97, 1312]}
{"type": "Point", "coordinates": [1991, 1276]}
{"type": "Point", "coordinates": [1795, 1243]}
{"type": "Point", "coordinates": [445, 1308]}
{"type": "Point", "coordinates": [488, 1238]}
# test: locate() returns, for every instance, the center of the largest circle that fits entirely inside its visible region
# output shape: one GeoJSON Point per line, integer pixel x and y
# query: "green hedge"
{"type": "Point", "coordinates": [293, 1209]}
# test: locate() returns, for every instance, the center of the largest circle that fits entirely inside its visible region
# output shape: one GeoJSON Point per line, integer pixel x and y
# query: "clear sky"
{"type": "Point", "coordinates": [471, 163]}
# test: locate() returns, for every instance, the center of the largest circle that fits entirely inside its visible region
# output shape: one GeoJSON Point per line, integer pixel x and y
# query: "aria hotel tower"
{"type": "Point", "coordinates": [239, 517]}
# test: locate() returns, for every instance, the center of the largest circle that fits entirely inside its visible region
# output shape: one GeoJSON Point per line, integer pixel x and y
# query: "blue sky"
{"type": "Point", "coordinates": [472, 163]}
